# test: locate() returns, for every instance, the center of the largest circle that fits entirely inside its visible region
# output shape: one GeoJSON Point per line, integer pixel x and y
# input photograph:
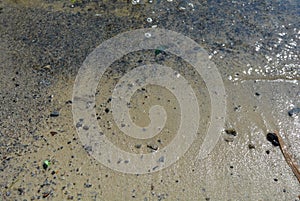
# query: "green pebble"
{"type": "Point", "coordinates": [46, 162]}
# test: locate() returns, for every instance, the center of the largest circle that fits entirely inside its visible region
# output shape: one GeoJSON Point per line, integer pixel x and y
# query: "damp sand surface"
{"type": "Point", "coordinates": [255, 47]}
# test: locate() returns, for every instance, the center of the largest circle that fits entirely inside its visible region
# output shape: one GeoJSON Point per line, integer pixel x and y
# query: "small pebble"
{"type": "Point", "coordinates": [161, 159]}
{"type": "Point", "coordinates": [53, 133]}
{"type": "Point", "coordinates": [229, 135]}
{"type": "Point", "coordinates": [86, 185]}
{"type": "Point", "coordinates": [46, 164]}
{"type": "Point", "coordinates": [251, 146]}
{"type": "Point", "coordinates": [54, 114]}
{"type": "Point", "coordinates": [293, 112]}
{"type": "Point", "coordinates": [69, 102]}
{"type": "Point", "coordinates": [149, 19]}
{"type": "Point", "coordinates": [271, 137]}
{"type": "Point", "coordinates": [230, 132]}
{"type": "Point", "coordinates": [152, 147]}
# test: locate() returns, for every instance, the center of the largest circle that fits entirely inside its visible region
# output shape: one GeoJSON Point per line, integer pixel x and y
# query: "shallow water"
{"type": "Point", "coordinates": [254, 46]}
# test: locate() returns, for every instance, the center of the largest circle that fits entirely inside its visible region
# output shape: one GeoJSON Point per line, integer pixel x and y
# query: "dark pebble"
{"type": "Point", "coordinates": [46, 194]}
{"type": "Point", "coordinates": [271, 137]}
{"type": "Point", "coordinates": [230, 132]}
{"type": "Point", "coordinates": [79, 124]}
{"type": "Point", "coordinates": [161, 159]}
{"type": "Point", "coordinates": [153, 147]}
{"type": "Point", "coordinates": [20, 191]}
{"type": "Point", "coordinates": [54, 114]}
{"type": "Point", "coordinates": [53, 133]}
{"type": "Point", "coordinates": [251, 146]}
{"type": "Point", "coordinates": [69, 102]}
{"type": "Point", "coordinates": [86, 185]}
{"type": "Point", "coordinates": [45, 166]}
{"type": "Point", "coordinates": [88, 148]}
{"type": "Point", "coordinates": [293, 112]}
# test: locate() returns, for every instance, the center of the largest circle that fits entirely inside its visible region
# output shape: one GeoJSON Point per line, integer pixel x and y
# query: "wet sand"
{"type": "Point", "coordinates": [43, 45]}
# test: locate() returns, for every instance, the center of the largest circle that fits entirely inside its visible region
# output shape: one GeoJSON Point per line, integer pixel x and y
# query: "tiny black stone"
{"type": "Point", "coordinates": [54, 114]}
{"type": "Point", "coordinates": [106, 110]}
{"type": "Point", "coordinates": [230, 132]}
{"type": "Point", "coordinates": [21, 191]}
{"type": "Point", "coordinates": [153, 147]}
{"type": "Point", "coordinates": [45, 166]}
{"type": "Point", "coordinates": [69, 102]}
{"type": "Point", "coordinates": [251, 146]}
{"type": "Point", "coordinates": [87, 185]}
{"type": "Point", "coordinates": [271, 137]}
{"type": "Point", "coordinates": [267, 152]}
